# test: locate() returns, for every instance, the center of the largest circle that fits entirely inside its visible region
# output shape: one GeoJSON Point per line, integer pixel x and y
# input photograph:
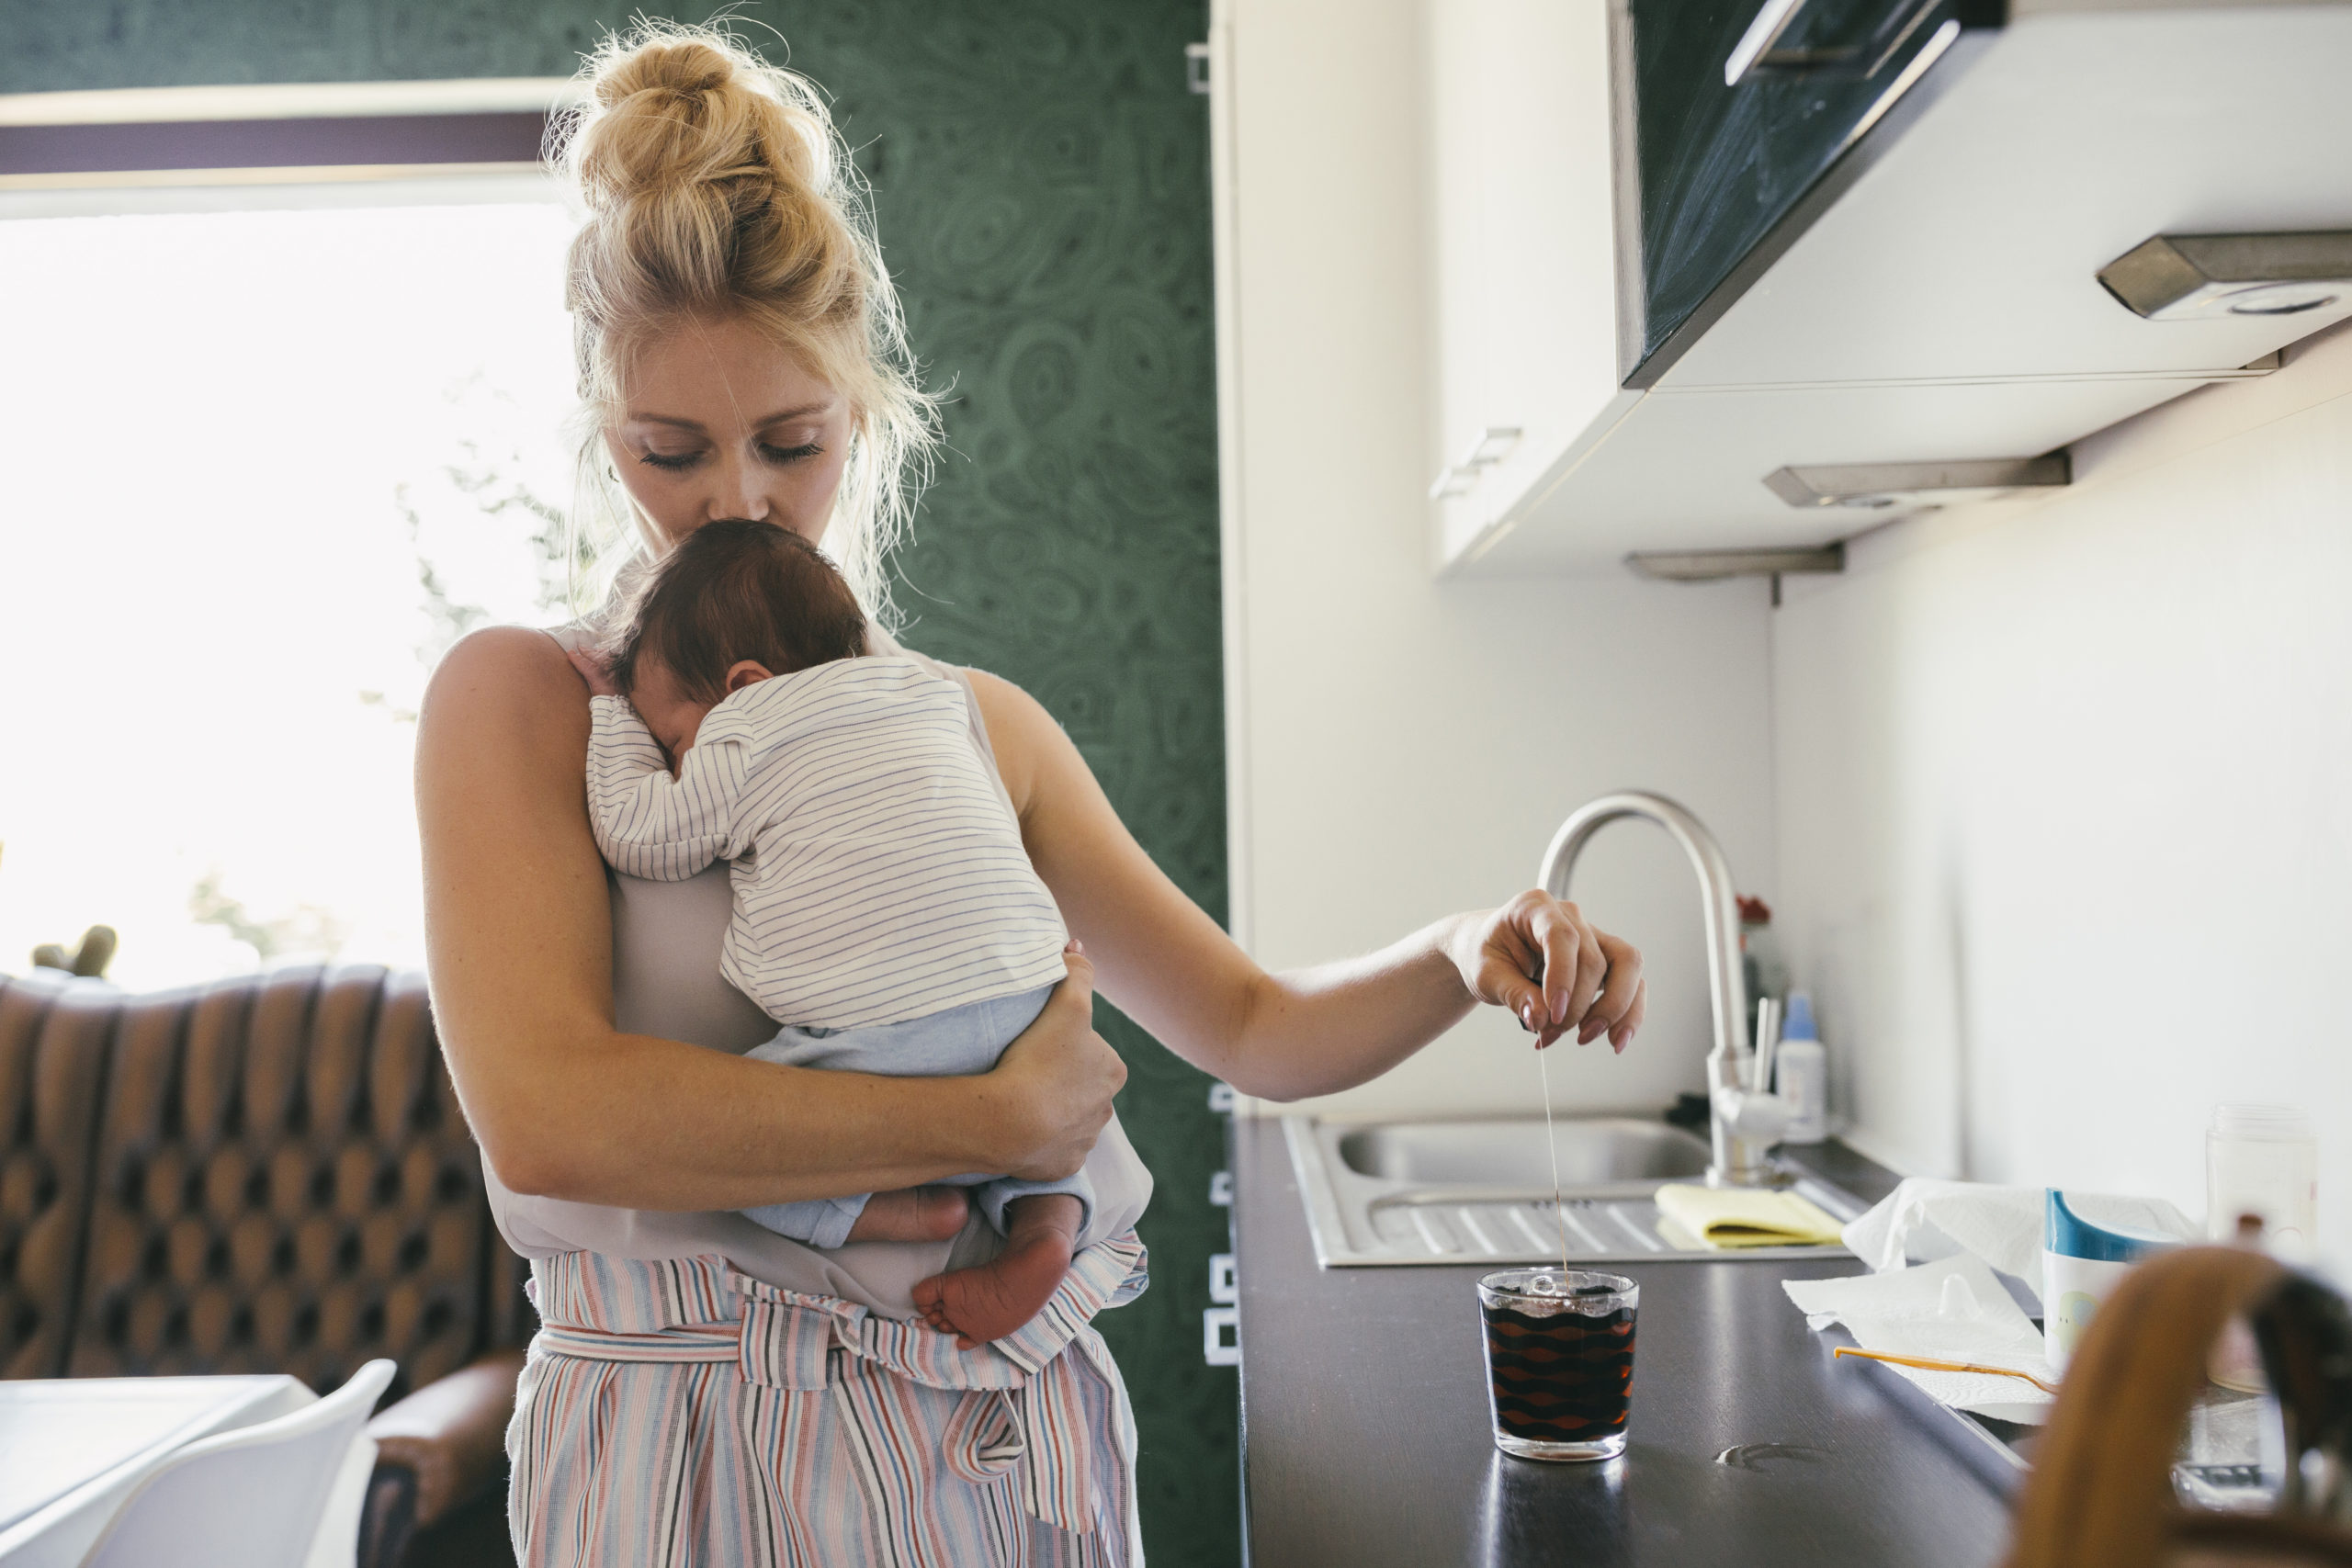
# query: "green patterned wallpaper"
{"type": "Point", "coordinates": [1041, 182]}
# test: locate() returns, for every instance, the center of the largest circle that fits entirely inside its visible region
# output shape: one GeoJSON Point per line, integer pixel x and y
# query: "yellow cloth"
{"type": "Point", "coordinates": [1746, 1216]}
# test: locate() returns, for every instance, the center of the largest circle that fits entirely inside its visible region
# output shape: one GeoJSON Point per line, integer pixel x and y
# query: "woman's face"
{"type": "Point", "coordinates": [717, 422]}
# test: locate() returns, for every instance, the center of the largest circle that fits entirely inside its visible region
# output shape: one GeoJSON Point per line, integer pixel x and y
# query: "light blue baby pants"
{"type": "Point", "coordinates": [953, 1043]}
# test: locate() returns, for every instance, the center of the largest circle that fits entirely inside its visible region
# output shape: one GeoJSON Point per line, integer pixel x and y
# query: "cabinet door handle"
{"type": "Point", "coordinates": [1756, 42]}
{"type": "Point", "coordinates": [1755, 55]}
{"type": "Point", "coordinates": [1494, 444]}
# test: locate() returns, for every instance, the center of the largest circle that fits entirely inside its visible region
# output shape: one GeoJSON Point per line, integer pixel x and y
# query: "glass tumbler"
{"type": "Point", "coordinates": [1559, 1360]}
{"type": "Point", "coordinates": [2263, 1159]}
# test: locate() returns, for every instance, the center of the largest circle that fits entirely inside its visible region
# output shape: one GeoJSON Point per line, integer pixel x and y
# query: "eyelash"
{"type": "Point", "coordinates": [773, 454]}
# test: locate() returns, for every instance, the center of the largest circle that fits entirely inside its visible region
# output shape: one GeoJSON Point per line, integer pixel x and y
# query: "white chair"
{"type": "Point", "coordinates": [252, 1497]}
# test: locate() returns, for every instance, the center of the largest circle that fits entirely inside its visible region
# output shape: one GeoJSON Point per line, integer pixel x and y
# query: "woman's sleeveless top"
{"type": "Point", "coordinates": [666, 942]}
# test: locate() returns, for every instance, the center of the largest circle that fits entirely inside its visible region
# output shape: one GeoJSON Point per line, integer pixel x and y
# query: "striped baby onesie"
{"type": "Point", "coordinates": [878, 872]}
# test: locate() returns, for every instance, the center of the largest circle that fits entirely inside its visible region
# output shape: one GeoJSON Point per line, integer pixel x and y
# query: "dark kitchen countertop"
{"type": "Point", "coordinates": [1366, 1442]}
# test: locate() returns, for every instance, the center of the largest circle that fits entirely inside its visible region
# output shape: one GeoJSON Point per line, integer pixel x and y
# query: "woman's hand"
{"type": "Point", "coordinates": [1050, 1092]}
{"type": "Point", "coordinates": [1554, 969]}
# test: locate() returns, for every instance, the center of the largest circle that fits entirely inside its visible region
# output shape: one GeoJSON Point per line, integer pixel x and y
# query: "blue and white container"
{"type": "Point", "coordinates": [2080, 1265]}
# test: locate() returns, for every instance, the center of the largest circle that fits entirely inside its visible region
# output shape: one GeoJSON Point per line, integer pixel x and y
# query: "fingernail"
{"type": "Point", "coordinates": [1076, 945]}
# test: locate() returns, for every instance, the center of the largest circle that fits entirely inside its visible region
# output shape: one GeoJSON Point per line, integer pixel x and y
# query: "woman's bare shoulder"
{"type": "Point", "coordinates": [1032, 750]}
{"type": "Point", "coordinates": [503, 661]}
{"type": "Point", "coordinates": [501, 653]}
{"type": "Point", "coordinates": [1017, 722]}
{"type": "Point", "coordinates": [999, 695]}
{"type": "Point", "coordinates": [509, 681]}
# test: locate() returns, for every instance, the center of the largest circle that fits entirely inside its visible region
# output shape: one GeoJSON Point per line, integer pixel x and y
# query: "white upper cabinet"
{"type": "Point", "coordinates": [1525, 251]}
{"type": "Point", "coordinates": [1884, 249]}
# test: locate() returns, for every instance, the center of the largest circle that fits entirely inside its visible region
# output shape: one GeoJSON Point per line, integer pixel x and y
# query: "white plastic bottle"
{"type": "Point", "coordinates": [1801, 1073]}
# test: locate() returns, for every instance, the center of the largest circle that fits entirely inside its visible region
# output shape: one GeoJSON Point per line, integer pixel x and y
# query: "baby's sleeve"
{"type": "Point", "coordinates": [647, 823]}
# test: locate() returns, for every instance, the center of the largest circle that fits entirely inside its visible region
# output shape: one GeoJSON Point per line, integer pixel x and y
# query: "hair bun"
{"type": "Point", "coordinates": [683, 66]}
{"type": "Point", "coordinates": [671, 113]}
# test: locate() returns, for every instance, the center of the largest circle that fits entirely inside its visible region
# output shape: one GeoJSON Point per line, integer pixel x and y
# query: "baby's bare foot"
{"type": "Point", "coordinates": [912, 1214]}
{"type": "Point", "coordinates": [991, 1301]}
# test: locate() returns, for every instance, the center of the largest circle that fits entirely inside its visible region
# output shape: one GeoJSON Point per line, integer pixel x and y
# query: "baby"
{"type": "Point", "coordinates": [885, 910]}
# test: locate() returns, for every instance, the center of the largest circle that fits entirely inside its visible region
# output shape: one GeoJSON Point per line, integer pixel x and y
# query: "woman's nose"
{"type": "Point", "coordinates": [742, 491]}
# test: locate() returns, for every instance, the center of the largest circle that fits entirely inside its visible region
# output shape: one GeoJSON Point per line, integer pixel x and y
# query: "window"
{"type": "Point", "coordinates": [257, 470]}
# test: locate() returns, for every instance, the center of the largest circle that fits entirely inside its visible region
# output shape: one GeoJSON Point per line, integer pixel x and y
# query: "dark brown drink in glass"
{"type": "Point", "coordinates": [1559, 1360]}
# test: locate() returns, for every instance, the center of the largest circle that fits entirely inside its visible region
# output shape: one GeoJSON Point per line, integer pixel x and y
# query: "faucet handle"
{"type": "Point", "coordinates": [1753, 1114]}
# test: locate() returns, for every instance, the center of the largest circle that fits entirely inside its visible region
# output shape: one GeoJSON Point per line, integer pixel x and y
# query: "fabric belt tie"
{"type": "Point", "coordinates": [1023, 1398]}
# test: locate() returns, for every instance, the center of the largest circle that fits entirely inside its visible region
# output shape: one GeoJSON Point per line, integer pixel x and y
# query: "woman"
{"type": "Point", "coordinates": [703, 1390]}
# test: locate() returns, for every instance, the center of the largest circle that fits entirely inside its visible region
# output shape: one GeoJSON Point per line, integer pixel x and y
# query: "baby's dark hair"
{"type": "Point", "coordinates": [738, 590]}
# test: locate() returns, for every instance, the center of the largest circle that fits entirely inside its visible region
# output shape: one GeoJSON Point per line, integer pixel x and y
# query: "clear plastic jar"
{"type": "Point", "coordinates": [2264, 1160]}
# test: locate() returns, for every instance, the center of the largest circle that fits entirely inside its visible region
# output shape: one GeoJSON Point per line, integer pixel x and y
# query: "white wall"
{"type": "Point", "coordinates": [1401, 746]}
{"type": "Point", "coordinates": [2065, 802]}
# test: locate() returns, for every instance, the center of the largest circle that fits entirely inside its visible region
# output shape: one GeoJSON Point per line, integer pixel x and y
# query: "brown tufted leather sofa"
{"type": "Point", "coordinates": [268, 1174]}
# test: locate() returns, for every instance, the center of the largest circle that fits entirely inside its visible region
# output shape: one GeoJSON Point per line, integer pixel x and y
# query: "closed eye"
{"type": "Point", "coordinates": [675, 462]}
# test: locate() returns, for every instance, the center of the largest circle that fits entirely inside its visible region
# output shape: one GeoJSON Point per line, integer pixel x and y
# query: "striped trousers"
{"type": "Point", "coordinates": [676, 1413]}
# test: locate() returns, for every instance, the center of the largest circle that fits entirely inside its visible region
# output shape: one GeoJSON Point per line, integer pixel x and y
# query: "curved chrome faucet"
{"type": "Point", "coordinates": [1746, 1120]}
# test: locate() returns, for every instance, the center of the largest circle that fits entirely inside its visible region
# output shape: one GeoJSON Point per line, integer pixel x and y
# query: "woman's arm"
{"type": "Point", "coordinates": [518, 937]}
{"type": "Point", "coordinates": [1170, 968]}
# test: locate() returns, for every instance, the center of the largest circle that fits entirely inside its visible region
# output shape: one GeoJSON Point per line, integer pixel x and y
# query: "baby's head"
{"type": "Point", "coordinates": [738, 602]}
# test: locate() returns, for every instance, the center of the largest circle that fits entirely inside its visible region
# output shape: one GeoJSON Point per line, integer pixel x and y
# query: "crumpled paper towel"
{"type": "Point", "coordinates": [1953, 1310]}
{"type": "Point", "coordinates": [1925, 1219]}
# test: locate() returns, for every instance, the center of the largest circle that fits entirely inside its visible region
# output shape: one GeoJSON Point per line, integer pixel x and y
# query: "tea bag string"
{"type": "Point", "coordinates": [1552, 1145]}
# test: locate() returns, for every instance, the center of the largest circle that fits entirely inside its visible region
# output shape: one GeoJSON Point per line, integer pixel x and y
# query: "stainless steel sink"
{"type": "Point", "coordinates": [1511, 1153]}
{"type": "Point", "coordinates": [1480, 1190]}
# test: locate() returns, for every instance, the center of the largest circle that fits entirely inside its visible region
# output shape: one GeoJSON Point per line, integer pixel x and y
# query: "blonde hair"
{"type": "Point", "coordinates": [713, 186]}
